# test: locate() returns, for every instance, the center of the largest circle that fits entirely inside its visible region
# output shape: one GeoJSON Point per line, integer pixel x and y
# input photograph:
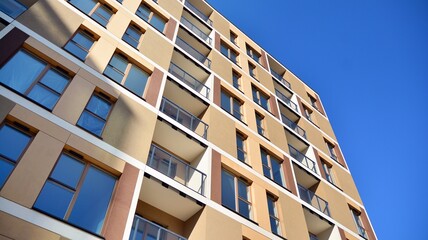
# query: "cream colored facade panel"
{"type": "Point", "coordinates": [251, 234]}
{"type": "Point", "coordinates": [157, 48]}
{"type": "Point", "coordinates": [220, 24]}
{"type": "Point", "coordinates": [5, 107]}
{"type": "Point", "coordinates": [222, 131]}
{"type": "Point", "coordinates": [118, 23]}
{"type": "Point", "coordinates": [100, 54]}
{"type": "Point", "coordinates": [175, 8]}
{"type": "Point", "coordinates": [221, 66]}
{"type": "Point", "coordinates": [292, 218]}
{"type": "Point", "coordinates": [347, 184]}
{"type": "Point", "coordinates": [229, 229]}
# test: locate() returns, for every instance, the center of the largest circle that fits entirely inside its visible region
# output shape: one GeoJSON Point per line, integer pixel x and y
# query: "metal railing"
{"type": "Point", "coordinates": [188, 79]}
{"type": "Point", "coordinates": [199, 13]}
{"type": "Point", "coordinates": [296, 154]}
{"type": "Point", "coordinates": [143, 229]}
{"type": "Point", "coordinates": [192, 51]}
{"type": "Point", "coordinates": [196, 30]}
{"type": "Point", "coordinates": [293, 126]}
{"type": "Point", "coordinates": [281, 79]}
{"type": "Point", "coordinates": [184, 118]}
{"type": "Point", "coordinates": [314, 200]}
{"type": "Point", "coordinates": [176, 169]}
{"type": "Point", "coordinates": [286, 100]}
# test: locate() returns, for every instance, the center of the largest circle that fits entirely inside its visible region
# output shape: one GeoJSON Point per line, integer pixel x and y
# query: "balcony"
{"type": "Point", "coordinates": [184, 118]}
{"type": "Point", "coordinates": [142, 229]}
{"type": "Point", "coordinates": [193, 52]}
{"type": "Point", "coordinates": [303, 159]}
{"type": "Point", "coordinates": [278, 77]}
{"type": "Point", "coordinates": [176, 169]}
{"type": "Point", "coordinates": [286, 100]}
{"type": "Point", "coordinates": [192, 27]}
{"type": "Point", "coordinates": [293, 126]}
{"type": "Point", "coordinates": [198, 13]}
{"type": "Point", "coordinates": [188, 79]}
{"type": "Point", "coordinates": [314, 200]}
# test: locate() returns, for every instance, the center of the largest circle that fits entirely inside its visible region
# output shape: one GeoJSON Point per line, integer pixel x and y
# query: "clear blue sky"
{"type": "Point", "coordinates": [368, 60]}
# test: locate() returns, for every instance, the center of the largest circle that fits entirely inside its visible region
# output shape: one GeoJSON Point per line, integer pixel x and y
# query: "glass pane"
{"type": "Point", "coordinates": [158, 22]}
{"type": "Point", "coordinates": [12, 8]}
{"type": "Point", "coordinates": [242, 190]}
{"type": "Point", "coordinates": [84, 40]}
{"type": "Point", "coordinates": [114, 74]}
{"type": "Point", "coordinates": [84, 5]}
{"type": "Point", "coordinates": [244, 209]}
{"type": "Point", "coordinates": [102, 15]}
{"type": "Point", "coordinates": [78, 52]}
{"type": "Point", "coordinates": [271, 206]}
{"type": "Point", "coordinates": [94, 197]}
{"type": "Point", "coordinates": [18, 78]}
{"type": "Point", "coordinates": [43, 96]}
{"type": "Point", "coordinates": [99, 106]}
{"type": "Point", "coordinates": [132, 36]}
{"type": "Point", "coordinates": [224, 50]}
{"type": "Point", "coordinates": [54, 199]}
{"type": "Point", "coordinates": [264, 102]}
{"type": "Point", "coordinates": [12, 142]}
{"type": "Point", "coordinates": [274, 226]}
{"type": "Point", "coordinates": [266, 171]}
{"type": "Point", "coordinates": [136, 80]}
{"type": "Point", "coordinates": [143, 12]}
{"type": "Point", "coordinates": [55, 80]}
{"type": "Point", "coordinates": [116, 68]}
{"type": "Point", "coordinates": [68, 171]}
{"type": "Point", "coordinates": [91, 123]}
{"type": "Point", "coordinates": [276, 170]}
{"type": "Point", "coordinates": [225, 102]}
{"type": "Point", "coordinates": [5, 169]}
{"type": "Point", "coordinates": [228, 190]}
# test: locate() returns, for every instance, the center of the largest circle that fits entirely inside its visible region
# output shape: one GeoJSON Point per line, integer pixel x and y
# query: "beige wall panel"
{"type": "Point", "coordinates": [276, 132]}
{"type": "Point", "coordinates": [100, 54]}
{"type": "Point", "coordinates": [40, 123]}
{"type": "Point", "coordinates": [74, 99]}
{"type": "Point", "coordinates": [314, 135]}
{"type": "Point", "coordinates": [222, 131]}
{"type": "Point", "coordinates": [265, 78]}
{"type": "Point", "coordinates": [292, 218]}
{"type": "Point", "coordinates": [228, 229]}
{"type": "Point", "coordinates": [253, 235]}
{"type": "Point", "coordinates": [100, 157]}
{"type": "Point", "coordinates": [324, 124]}
{"type": "Point", "coordinates": [30, 174]}
{"type": "Point", "coordinates": [221, 66]}
{"type": "Point", "coordinates": [5, 107]}
{"type": "Point", "coordinates": [130, 128]}
{"type": "Point", "coordinates": [195, 227]}
{"type": "Point", "coordinates": [220, 24]}
{"type": "Point", "coordinates": [42, 14]}
{"type": "Point", "coordinates": [118, 23]}
{"type": "Point", "coordinates": [156, 48]}
{"type": "Point", "coordinates": [175, 8]}
{"type": "Point", "coordinates": [259, 206]}
{"type": "Point", "coordinates": [296, 84]}
{"type": "Point", "coordinates": [17, 229]}
{"type": "Point", "coordinates": [132, 6]}
{"type": "Point", "coordinates": [346, 183]}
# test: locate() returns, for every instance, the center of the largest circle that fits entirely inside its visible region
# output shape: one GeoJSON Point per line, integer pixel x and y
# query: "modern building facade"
{"type": "Point", "coordinates": [143, 119]}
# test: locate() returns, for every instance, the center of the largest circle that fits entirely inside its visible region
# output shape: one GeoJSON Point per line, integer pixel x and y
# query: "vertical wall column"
{"type": "Point", "coordinates": [216, 177]}
{"type": "Point", "coordinates": [11, 43]}
{"type": "Point", "coordinates": [288, 172]}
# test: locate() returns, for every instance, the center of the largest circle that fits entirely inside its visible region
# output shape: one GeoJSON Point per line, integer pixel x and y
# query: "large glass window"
{"type": "Point", "coordinates": [272, 167]}
{"type": "Point", "coordinates": [236, 78]}
{"type": "Point", "coordinates": [94, 117]}
{"type": "Point", "coordinates": [260, 98]}
{"type": "Point", "coordinates": [127, 74]}
{"type": "Point", "coordinates": [260, 124]}
{"type": "Point", "coordinates": [331, 150]}
{"type": "Point", "coordinates": [80, 44]}
{"type": "Point", "coordinates": [252, 70]}
{"type": "Point", "coordinates": [241, 147]}
{"type": "Point", "coordinates": [273, 215]}
{"type": "Point", "coordinates": [235, 194]}
{"type": "Point", "coordinates": [357, 219]}
{"type": "Point", "coordinates": [101, 13]}
{"type": "Point", "coordinates": [253, 54]}
{"type": "Point", "coordinates": [327, 171]}
{"type": "Point", "coordinates": [132, 35]}
{"type": "Point", "coordinates": [145, 13]}
{"type": "Point", "coordinates": [12, 8]}
{"type": "Point", "coordinates": [229, 53]}
{"type": "Point", "coordinates": [13, 142]}
{"type": "Point", "coordinates": [38, 80]}
{"type": "Point", "coordinates": [78, 193]}
{"type": "Point", "coordinates": [231, 105]}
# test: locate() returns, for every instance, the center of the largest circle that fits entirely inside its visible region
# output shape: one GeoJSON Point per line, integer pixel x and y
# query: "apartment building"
{"type": "Point", "coordinates": [144, 119]}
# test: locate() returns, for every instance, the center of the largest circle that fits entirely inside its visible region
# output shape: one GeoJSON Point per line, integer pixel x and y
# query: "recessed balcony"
{"type": "Point", "coordinates": [298, 130]}
{"type": "Point", "coordinates": [314, 200]}
{"type": "Point", "coordinates": [302, 158]}
{"type": "Point", "coordinates": [197, 28]}
{"type": "Point", "coordinates": [204, 16]}
{"type": "Point", "coordinates": [195, 53]}
{"type": "Point", "coordinates": [286, 100]}
{"type": "Point", "coordinates": [143, 229]}
{"type": "Point", "coordinates": [280, 79]}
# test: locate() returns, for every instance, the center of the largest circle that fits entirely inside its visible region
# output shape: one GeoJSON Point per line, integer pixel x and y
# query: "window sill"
{"type": "Point", "coordinates": [279, 236]}
{"type": "Point", "coordinates": [93, 134]}
{"type": "Point", "coordinates": [27, 98]}
{"type": "Point", "coordinates": [240, 215]}
{"type": "Point", "coordinates": [234, 117]}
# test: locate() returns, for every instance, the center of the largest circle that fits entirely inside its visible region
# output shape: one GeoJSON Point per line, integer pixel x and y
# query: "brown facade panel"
{"type": "Point", "coordinates": [153, 88]}
{"type": "Point", "coordinates": [114, 227]}
{"type": "Point", "coordinates": [170, 29]}
{"type": "Point", "coordinates": [10, 44]}
{"type": "Point", "coordinates": [273, 106]}
{"type": "Point", "coordinates": [288, 172]}
{"type": "Point", "coordinates": [342, 234]}
{"type": "Point", "coordinates": [299, 102]}
{"type": "Point", "coordinates": [368, 227]}
{"type": "Point", "coordinates": [317, 157]}
{"type": "Point", "coordinates": [216, 177]}
{"type": "Point", "coordinates": [264, 61]}
{"type": "Point", "coordinates": [319, 105]}
{"type": "Point", "coordinates": [217, 41]}
{"type": "Point", "coordinates": [340, 158]}
{"type": "Point", "coordinates": [217, 91]}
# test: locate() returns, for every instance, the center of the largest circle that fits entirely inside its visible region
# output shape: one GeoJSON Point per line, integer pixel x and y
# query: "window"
{"type": "Point", "coordinates": [314, 102]}
{"type": "Point", "coordinates": [38, 80]}
{"type": "Point", "coordinates": [13, 142]}
{"type": "Point", "coordinates": [12, 8]}
{"type": "Point", "coordinates": [128, 75]}
{"type": "Point", "coordinates": [235, 194]}
{"type": "Point", "coordinates": [272, 167]}
{"type": "Point", "coordinates": [308, 113]}
{"type": "Point", "coordinates": [145, 13]}
{"type": "Point", "coordinates": [253, 54]}
{"type": "Point", "coordinates": [252, 70]}
{"type": "Point", "coordinates": [236, 77]}
{"type": "Point", "coordinates": [229, 53]}
{"type": "Point", "coordinates": [231, 105]}
{"type": "Point", "coordinates": [260, 98]}
{"type": "Point", "coordinates": [312, 236]}
{"type": "Point", "coordinates": [331, 150]}
{"type": "Point", "coordinates": [101, 13]}
{"type": "Point", "coordinates": [273, 215]}
{"type": "Point", "coordinates": [240, 147]}
{"type": "Point", "coordinates": [357, 219]}
{"type": "Point", "coordinates": [94, 117]}
{"type": "Point", "coordinates": [259, 123]}
{"type": "Point", "coordinates": [77, 192]}
{"type": "Point", "coordinates": [233, 38]}
{"type": "Point", "coordinates": [327, 171]}
{"type": "Point", "coordinates": [80, 44]}
{"type": "Point", "coordinates": [132, 35]}
{"type": "Point", "coordinates": [119, 1]}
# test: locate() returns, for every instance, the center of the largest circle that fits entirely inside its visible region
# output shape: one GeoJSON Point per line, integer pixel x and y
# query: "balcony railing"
{"type": "Point", "coordinates": [286, 100]}
{"type": "Point", "coordinates": [189, 80]}
{"type": "Point", "coordinates": [281, 79]}
{"type": "Point", "coordinates": [199, 13]}
{"type": "Point", "coordinates": [184, 118]}
{"type": "Point", "coordinates": [143, 229]}
{"type": "Point", "coordinates": [293, 126]}
{"type": "Point", "coordinates": [196, 30]}
{"type": "Point", "coordinates": [302, 158]}
{"type": "Point", "coordinates": [176, 169]}
{"type": "Point", "coordinates": [192, 51]}
{"type": "Point", "coordinates": [314, 200]}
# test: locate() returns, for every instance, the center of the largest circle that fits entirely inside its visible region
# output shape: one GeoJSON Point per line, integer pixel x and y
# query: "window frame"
{"type": "Point", "coordinates": [328, 168]}
{"type": "Point", "coordinates": [253, 54]}
{"type": "Point", "coordinates": [277, 230]}
{"type": "Point", "coordinates": [269, 166]}
{"type": "Point", "coordinates": [231, 104]}
{"type": "Point", "coordinates": [308, 113]}
{"type": "Point", "coordinates": [137, 29]}
{"type": "Point", "coordinates": [83, 32]}
{"type": "Point", "coordinates": [94, 9]}
{"type": "Point", "coordinates": [252, 70]}
{"type": "Point", "coordinates": [257, 98]}
{"type": "Point", "coordinates": [150, 16]}
{"type": "Point", "coordinates": [18, 9]}
{"type": "Point", "coordinates": [233, 37]}
{"type": "Point", "coordinates": [313, 101]}
{"type": "Point", "coordinates": [236, 181]}
{"type": "Point", "coordinates": [356, 215]}
{"type": "Point", "coordinates": [104, 97]}
{"type": "Point", "coordinates": [237, 80]}
{"type": "Point", "coordinates": [331, 150]}
{"type": "Point", "coordinates": [243, 139]}
{"type": "Point", "coordinates": [231, 54]}
{"type": "Point", "coordinates": [260, 124]}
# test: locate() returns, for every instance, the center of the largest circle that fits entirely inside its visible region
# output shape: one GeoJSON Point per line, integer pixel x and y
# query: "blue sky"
{"type": "Point", "coordinates": [368, 60]}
